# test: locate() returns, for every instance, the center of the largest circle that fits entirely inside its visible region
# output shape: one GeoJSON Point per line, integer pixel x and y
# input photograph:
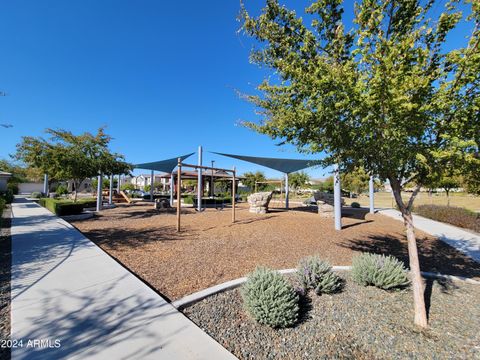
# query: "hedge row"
{"type": "Point", "coordinates": [452, 215]}
{"type": "Point", "coordinates": [65, 207]}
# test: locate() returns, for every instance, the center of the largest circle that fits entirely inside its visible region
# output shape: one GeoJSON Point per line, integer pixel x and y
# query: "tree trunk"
{"type": "Point", "coordinates": [75, 191]}
{"type": "Point", "coordinates": [416, 277]}
{"type": "Point", "coordinates": [448, 197]}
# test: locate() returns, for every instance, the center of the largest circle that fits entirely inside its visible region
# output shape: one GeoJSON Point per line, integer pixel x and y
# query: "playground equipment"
{"type": "Point", "coordinates": [200, 168]}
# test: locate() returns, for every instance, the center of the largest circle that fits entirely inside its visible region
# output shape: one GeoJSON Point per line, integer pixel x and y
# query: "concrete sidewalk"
{"type": "Point", "coordinates": [71, 300]}
{"type": "Point", "coordinates": [462, 240]}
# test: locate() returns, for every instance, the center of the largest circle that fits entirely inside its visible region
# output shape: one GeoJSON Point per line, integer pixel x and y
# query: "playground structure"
{"type": "Point", "coordinates": [199, 168]}
{"type": "Point", "coordinates": [285, 166]}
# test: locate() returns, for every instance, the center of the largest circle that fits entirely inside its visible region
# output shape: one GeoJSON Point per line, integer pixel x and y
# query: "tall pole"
{"type": "Point", "coordinates": [337, 198]}
{"type": "Point", "coordinates": [212, 193]}
{"type": "Point", "coordinates": [179, 195]}
{"type": "Point", "coordinates": [372, 195]}
{"type": "Point", "coordinates": [45, 184]}
{"type": "Point", "coordinates": [118, 182]}
{"type": "Point", "coordinates": [199, 182]}
{"type": "Point", "coordinates": [233, 194]}
{"type": "Point", "coordinates": [99, 190]}
{"type": "Point", "coordinates": [151, 186]}
{"type": "Point", "coordinates": [287, 191]}
{"type": "Point", "coordinates": [172, 184]}
{"type": "Point", "coordinates": [110, 191]}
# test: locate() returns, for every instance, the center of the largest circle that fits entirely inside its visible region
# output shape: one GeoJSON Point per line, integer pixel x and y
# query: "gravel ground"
{"type": "Point", "coordinates": [5, 272]}
{"type": "Point", "coordinates": [359, 323]}
{"type": "Point", "coordinates": [210, 250]}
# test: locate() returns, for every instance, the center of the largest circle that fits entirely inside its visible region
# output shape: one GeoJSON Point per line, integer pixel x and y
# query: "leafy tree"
{"type": "Point", "coordinates": [355, 181]}
{"type": "Point", "coordinates": [65, 156]}
{"type": "Point", "coordinates": [250, 178]}
{"type": "Point", "coordinates": [298, 179]}
{"type": "Point", "coordinates": [448, 183]}
{"type": "Point", "coordinates": [383, 93]}
{"type": "Point", "coordinates": [127, 186]}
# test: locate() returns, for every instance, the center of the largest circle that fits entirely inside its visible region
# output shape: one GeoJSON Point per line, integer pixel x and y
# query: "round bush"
{"type": "Point", "coordinates": [355, 205]}
{"type": "Point", "coordinates": [36, 195]}
{"type": "Point", "coordinates": [314, 273]}
{"type": "Point", "coordinates": [61, 190]}
{"type": "Point", "coordinates": [270, 299]}
{"type": "Point", "coordinates": [385, 272]}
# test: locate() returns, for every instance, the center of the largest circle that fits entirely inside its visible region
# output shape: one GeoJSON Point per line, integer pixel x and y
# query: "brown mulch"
{"type": "Point", "coordinates": [5, 276]}
{"type": "Point", "coordinates": [211, 250]}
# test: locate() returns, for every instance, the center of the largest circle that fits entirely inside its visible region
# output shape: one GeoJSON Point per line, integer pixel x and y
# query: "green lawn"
{"type": "Point", "coordinates": [384, 199]}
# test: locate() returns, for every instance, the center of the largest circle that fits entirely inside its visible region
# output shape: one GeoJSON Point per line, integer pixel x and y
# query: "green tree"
{"type": "Point", "coordinates": [448, 183]}
{"type": "Point", "coordinates": [65, 156]}
{"type": "Point", "coordinates": [355, 181]}
{"type": "Point", "coordinates": [383, 93]}
{"type": "Point", "coordinates": [250, 178]}
{"type": "Point", "coordinates": [298, 179]}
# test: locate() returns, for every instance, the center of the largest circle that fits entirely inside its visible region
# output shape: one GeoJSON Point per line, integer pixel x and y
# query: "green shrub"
{"type": "Point", "coordinates": [88, 202]}
{"type": "Point", "coordinates": [127, 186]}
{"type": "Point", "coordinates": [316, 274]}
{"type": "Point", "coordinates": [188, 199]}
{"type": "Point", "coordinates": [7, 196]}
{"type": "Point", "coordinates": [270, 299]}
{"type": "Point", "coordinates": [13, 187]}
{"type": "Point", "coordinates": [36, 195]}
{"type": "Point", "coordinates": [385, 272]}
{"type": "Point", "coordinates": [3, 203]}
{"type": "Point", "coordinates": [61, 190]}
{"type": "Point", "coordinates": [62, 207]}
{"type": "Point", "coordinates": [355, 205]}
{"type": "Point", "coordinates": [452, 215]}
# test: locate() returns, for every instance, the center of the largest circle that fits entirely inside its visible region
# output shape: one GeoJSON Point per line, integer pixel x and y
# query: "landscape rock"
{"type": "Point", "coordinates": [259, 202]}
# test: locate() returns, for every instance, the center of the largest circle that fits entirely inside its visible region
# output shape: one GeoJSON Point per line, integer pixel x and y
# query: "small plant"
{"type": "Point", "coordinates": [36, 195]}
{"type": "Point", "coordinates": [384, 272]}
{"type": "Point", "coordinates": [355, 205]}
{"type": "Point", "coordinates": [61, 190]}
{"type": "Point", "coordinates": [314, 273]}
{"type": "Point", "coordinates": [270, 299]}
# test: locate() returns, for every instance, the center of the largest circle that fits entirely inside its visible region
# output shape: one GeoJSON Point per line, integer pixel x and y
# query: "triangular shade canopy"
{"type": "Point", "coordinates": [286, 166]}
{"type": "Point", "coordinates": [163, 165]}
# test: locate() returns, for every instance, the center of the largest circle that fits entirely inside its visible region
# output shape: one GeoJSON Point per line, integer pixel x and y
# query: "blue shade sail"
{"type": "Point", "coordinates": [286, 166]}
{"type": "Point", "coordinates": [162, 165]}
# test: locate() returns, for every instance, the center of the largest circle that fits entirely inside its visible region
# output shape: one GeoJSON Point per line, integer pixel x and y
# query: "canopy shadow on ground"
{"type": "Point", "coordinates": [435, 256]}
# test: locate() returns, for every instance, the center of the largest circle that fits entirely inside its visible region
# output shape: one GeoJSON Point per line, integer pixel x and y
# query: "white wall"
{"type": "Point", "coordinates": [28, 188]}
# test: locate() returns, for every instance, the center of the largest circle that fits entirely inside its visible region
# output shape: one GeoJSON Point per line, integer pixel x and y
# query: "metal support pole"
{"type": "Point", "coordinates": [372, 195]}
{"type": "Point", "coordinates": [199, 182]}
{"type": "Point", "coordinates": [179, 195]}
{"type": "Point", "coordinates": [151, 185]}
{"type": "Point", "coordinates": [118, 182]}
{"type": "Point", "coordinates": [110, 191]}
{"type": "Point", "coordinates": [233, 194]}
{"type": "Point", "coordinates": [45, 184]}
{"type": "Point", "coordinates": [99, 190]}
{"type": "Point", "coordinates": [337, 201]}
{"type": "Point", "coordinates": [172, 185]}
{"type": "Point", "coordinates": [287, 191]}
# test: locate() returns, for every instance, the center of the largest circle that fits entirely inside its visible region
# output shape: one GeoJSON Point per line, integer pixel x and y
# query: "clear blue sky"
{"type": "Point", "coordinates": [161, 75]}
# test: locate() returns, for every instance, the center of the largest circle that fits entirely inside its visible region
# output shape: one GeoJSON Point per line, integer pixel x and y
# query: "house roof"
{"type": "Point", "coordinates": [5, 174]}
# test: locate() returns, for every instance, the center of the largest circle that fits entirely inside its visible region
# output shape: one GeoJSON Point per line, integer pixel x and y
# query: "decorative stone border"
{"type": "Point", "coordinates": [233, 284]}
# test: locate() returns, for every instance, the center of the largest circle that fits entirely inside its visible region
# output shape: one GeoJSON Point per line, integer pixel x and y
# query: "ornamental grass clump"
{"type": "Point", "coordinates": [270, 299]}
{"type": "Point", "coordinates": [316, 274]}
{"type": "Point", "coordinates": [384, 272]}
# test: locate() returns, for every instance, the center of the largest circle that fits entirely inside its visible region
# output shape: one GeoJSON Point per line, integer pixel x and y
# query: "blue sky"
{"type": "Point", "coordinates": [161, 75]}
